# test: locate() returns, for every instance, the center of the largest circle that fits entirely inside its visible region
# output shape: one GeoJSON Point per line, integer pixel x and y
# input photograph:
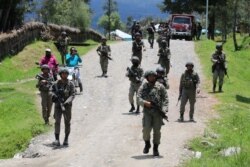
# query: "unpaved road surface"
{"type": "Point", "coordinates": [104, 134]}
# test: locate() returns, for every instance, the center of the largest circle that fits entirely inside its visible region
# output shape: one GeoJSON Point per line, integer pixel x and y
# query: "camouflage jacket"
{"type": "Point", "coordinates": [135, 74]}
{"type": "Point", "coordinates": [164, 81]}
{"type": "Point", "coordinates": [65, 91]}
{"type": "Point", "coordinates": [164, 53]}
{"type": "Point", "coordinates": [63, 43]}
{"type": "Point", "coordinates": [104, 50]}
{"type": "Point", "coordinates": [154, 93]}
{"type": "Point", "coordinates": [137, 47]}
{"type": "Point", "coordinates": [189, 81]}
{"type": "Point", "coordinates": [219, 61]}
{"type": "Point", "coordinates": [44, 86]}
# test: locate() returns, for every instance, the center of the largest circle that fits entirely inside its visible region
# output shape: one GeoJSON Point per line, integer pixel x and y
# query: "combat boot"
{"type": "Point", "coordinates": [181, 119]}
{"type": "Point", "coordinates": [155, 150]}
{"type": "Point", "coordinates": [147, 147]}
{"type": "Point", "coordinates": [65, 142]}
{"type": "Point", "coordinates": [214, 87]}
{"type": "Point", "coordinates": [132, 108]}
{"type": "Point", "coordinates": [105, 74]}
{"type": "Point", "coordinates": [138, 110]}
{"type": "Point", "coordinates": [191, 118]}
{"type": "Point", "coordinates": [220, 89]}
{"type": "Point", "coordinates": [56, 142]}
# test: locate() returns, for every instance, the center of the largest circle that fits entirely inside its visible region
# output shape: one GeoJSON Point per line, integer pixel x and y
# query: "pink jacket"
{"type": "Point", "coordinates": [51, 62]}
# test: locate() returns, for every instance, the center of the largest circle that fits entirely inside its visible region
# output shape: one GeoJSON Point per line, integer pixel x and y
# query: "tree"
{"type": "Point", "coordinates": [75, 13]}
{"type": "Point", "coordinates": [113, 24]}
{"type": "Point", "coordinates": [110, 6]}
{"type": "Point", "coordinates": [12, 13]}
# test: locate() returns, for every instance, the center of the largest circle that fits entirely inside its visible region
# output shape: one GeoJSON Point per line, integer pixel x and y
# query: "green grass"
{"type": "Point", "coordinates": [234, 124]}
{"type": "Point", "coordinates": [20, 116]}
{"type": "Point", "coordinates": [19, 119]}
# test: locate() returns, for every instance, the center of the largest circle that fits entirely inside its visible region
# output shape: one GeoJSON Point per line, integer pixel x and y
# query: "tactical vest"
{"type": "Point", "coordinates": [189, 81]}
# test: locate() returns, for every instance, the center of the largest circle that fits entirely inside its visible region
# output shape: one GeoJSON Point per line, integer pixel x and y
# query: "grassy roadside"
{"type": "Point", "coordinates": [234, 124]}
{"type": "Point", "coordinates": [20, 117]}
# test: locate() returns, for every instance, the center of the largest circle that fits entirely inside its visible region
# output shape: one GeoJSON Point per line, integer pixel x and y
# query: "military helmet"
{"type": "Point", "coordinates": [104, 39]}
{"type": "Point", "coordinates": [137, 34]}
{"type": "Point", "coordinates": [164, 42]}
{"type": "Point", "coordinates": [64, 33]}
{"type": "Point", "coordinates": [135, 59]}
{"type": "Point", "coordinates": [160, 70]}
{"type": "Point", "coordinates": [150, 72]}
{"type": "Point", "coordinates": [218, 46]}
{"type": "Point", "coordinates": [45, 66]}
{"type": "Point", "coordinates": [189, 64]}
{"type": "Point", "coordinates": [63, 70]}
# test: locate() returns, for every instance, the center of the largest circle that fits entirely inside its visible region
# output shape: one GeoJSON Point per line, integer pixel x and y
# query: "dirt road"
{"type": "Point", "coordinates": [103, 133]}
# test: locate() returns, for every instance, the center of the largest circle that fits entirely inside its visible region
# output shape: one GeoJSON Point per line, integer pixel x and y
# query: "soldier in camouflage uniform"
{"type": "Point", "coordinates": [63, 93]}
{"type": "Point", "coordinates": [164, 56]}
{"type": "Point", "coordinates": [63, 42]}
{"type": "Point", "coordinates": [104, 52]}
{"type": "Point", "coordinates": [219, 67]}
{"type": "Point", "coordinates": [138, 46]}
{"type": "Point", "coordinates": [189, 85]}
{"type": "Point", "coordinates": [152, 96]}
{"type": "Point", "coordinates": [45, 80]}
{"type": "Point", "coordinates": [161, 77]}
{"type": "Point", "coordinates": [151, 34]}
{"type": "Point", "coordinates": [134, 74]}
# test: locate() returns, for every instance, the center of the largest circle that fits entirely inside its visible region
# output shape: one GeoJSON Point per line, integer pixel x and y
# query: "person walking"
{"type": "Point", "coordinates": [153, 97]}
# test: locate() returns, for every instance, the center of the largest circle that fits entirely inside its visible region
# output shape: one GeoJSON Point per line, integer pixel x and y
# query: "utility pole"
{"type": "Point", "coordinates": [207, 2]}
{"type": "Point", "coordinates": [109, 15]}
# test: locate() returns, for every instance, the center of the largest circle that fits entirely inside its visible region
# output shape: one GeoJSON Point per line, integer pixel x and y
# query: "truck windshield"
{"type": "Point", "coordinates": [181, 20]}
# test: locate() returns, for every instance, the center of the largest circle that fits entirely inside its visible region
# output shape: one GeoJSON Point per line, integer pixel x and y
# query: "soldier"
{"type": "Point", "coordinates": [189, 85]}
{"type": "Point", "coordinates": [161, 77]}
{"type": "Point", "coordinates": [199, 29]}
{"type": "Point", "coordinates": [138, 46]}
{"type": "Point", "coordinates": [137, 29]}
{"type": "Point", "coordinates": [45, 80]}
{"type": "Point", "coordinates": [164, 56]}
{"type": "Point", "coordinates": [133, 29]}
{"type": "Point", "coordinates": [63, 42]}
{"type": "Point", "coordinates": [104, 52]}
{"type": "Point", "coordinates": [219, 67]}
{"type": "Point", "coordinates": [167, 33]}
{"type": "Point", "coordinates": [134, 74]}
{"type": "Point", "coordinates": [153, 97]}
{"type": "Point", "coordinates": [151, 36]}
{"type": "Point", "coordinates": [63, 93]}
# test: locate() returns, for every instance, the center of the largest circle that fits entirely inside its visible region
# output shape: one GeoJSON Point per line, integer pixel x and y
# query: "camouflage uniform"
{"type": "Point", "coordinates": [164, 58]}
{"type": "Point", "coordinates": [63, 42]}
{"type": "Point", "coordinates": [161, 77]}
{"type": "Point", "coordinates": [151, 36]}
{"type": "Point", "coordinates": [152, 119]}
{"type": "Point", "coordinates": [219, 69]}
{"type": "Point", "coordinates": [46, 95]}
{"type": "Point", "coordinates": [137, 47]}
{"type": "Point", "coordinates": [104, 51]}
{"type": "Point", "coordinates": [188, 83]}
{"type": "Point", "coordinates": [66, 91]}
{"type": "Point", "coordinates": [135, 76]}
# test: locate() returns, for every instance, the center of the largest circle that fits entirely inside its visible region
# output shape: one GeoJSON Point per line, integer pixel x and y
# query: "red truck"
{"type": "Point", "coordinates": [181, 26]}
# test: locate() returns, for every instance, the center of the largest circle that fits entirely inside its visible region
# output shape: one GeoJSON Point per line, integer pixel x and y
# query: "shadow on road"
{"type": "Point", "coordinates": [142, 157]}
{"type": "Point", "coordinates": [242, 99]}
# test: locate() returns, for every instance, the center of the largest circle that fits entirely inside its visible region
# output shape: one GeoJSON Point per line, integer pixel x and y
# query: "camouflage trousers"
{"type": "Point", "coordinates": [218, 74]}
{"type": "Point", "coordinates": [152, 120]}
{"type": "Point", "coordinates": [132, 91]}
{"type": "Point", "coordinates": [151, 40]}
{"type": "Point", "coordinates": [104, 64]}
{"type": "Point", "coordinates": [165, 63]}
{"type": "Point", "coordinates": [63, 55]}
{"type": "Point", "coordinates": [188, 95]}
{"type": "Point", "coordinates": [67, 118]}
{"type": "Point", "coordinates": [46, 103]}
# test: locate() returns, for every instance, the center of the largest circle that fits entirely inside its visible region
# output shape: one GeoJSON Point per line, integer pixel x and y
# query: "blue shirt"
{"type": "Point", "coordinates": [72, 60]}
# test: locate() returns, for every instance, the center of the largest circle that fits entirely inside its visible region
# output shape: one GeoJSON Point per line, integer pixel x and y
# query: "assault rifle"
{"type": "Point", "coordinates": [105, 55]}
{"type": "Point", "coordinates": [40, 77]}
{"type": "Point", "coordinates": [130, 72]}
{"type": "Point", "coordinates": [59, 97]}
{"type": "Point", "coordinates": [158, 109]}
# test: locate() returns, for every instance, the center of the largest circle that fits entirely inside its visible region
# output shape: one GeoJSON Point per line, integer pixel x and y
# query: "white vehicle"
{"type": "Point", "coordinates": [74, 76]}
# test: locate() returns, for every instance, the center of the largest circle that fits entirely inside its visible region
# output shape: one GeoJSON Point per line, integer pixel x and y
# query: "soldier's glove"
{"type": "Point", "coordinates": [54, 98]}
